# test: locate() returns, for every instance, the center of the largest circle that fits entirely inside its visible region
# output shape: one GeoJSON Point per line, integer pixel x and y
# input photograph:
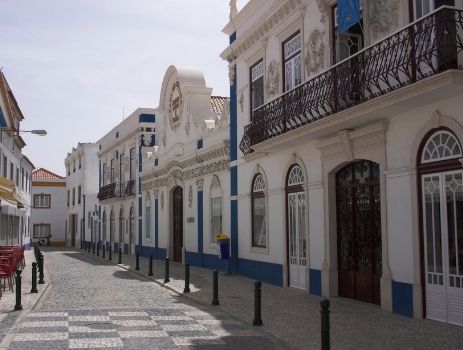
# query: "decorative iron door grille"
{"type": "Point", "coordinates": [359, 231]}
{"type": "Point", "coordinates": [178, 223]}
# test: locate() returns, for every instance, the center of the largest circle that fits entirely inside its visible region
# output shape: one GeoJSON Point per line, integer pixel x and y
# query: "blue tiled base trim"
{"type": "Point", "coordinates": [209, 261]}
{"type": "Point", "coordinates": [147, 251]}
{"type": "Point", "coordinates": [402, 298]}
{"type": "Point", "coordinates": [315, 282]}
{"type": "Point", "coordinates": [160, 253]}
{"type": "Point", "coordinates": [126, 249]}
{"type": "Point", "coordinates": [27, 246]}
{"type": "Point", "coordinates": [262, 271]}
{"type": "Point", "coordinates": [116, 247]}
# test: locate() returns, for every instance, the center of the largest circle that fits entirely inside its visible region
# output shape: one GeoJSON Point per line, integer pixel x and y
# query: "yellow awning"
{"type": "Point", "coordinates": [8, 193]}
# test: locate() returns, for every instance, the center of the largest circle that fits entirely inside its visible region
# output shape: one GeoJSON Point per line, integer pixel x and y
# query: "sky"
{"type": "Point", "coordinates": [77, 67]}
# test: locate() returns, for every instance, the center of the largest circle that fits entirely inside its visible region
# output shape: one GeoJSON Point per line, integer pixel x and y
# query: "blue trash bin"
{"type": "Point", "coordinates": [224, 248]}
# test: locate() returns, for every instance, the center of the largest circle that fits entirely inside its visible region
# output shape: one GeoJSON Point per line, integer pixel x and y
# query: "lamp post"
{"type": "Point", "coordinates": [39, 132]}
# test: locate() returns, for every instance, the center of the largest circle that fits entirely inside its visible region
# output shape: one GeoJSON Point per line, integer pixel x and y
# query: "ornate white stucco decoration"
{"type": "Point", "coordinates": [187, 126]}
{"type": "Point", "coordinates": [272, 83]}
{"type": "Point", "coordinates": [383, 15]}
{"type": "Point", "coordinates": [175, 106]}
{"type": "Point", "coordinates": [323, 8]}
{"type": "Point", "coordinates": [315, 52]}
{"type": "Point", "coordinates": [215, 183]}
{"type": "Point", "coordinates": [163, 137]}
{"type": "Point", "coordinates": [190, 196]}
{"type": "Point", "coordinates": [156, 194]}
{"type": "Point", "coordinates": [233, 9]}
{"type": "Point", "coordinates": [225, 114]}
{"type": "Point", "coordinates": [245, 42]}
{"type": "Point", "coordinates": [200, 184]}
{"type": "Point", "coordinates": [231, 74]}
{"type": "Point", "coordinates": [162, 199]}
{"type": "Point", "coordinates": [241, 101]}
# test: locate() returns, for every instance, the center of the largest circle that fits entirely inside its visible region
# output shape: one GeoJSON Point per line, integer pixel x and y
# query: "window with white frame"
{"type": "Point", "coordinates": [259, 212]}
{"type": "Point", "coordinates": [257, 85]}
{"type": "Point", "coordinates": [42, 200]}
{"type": "Point", "coordinates": [42, 230]}
{"type": "Point", "coordinates": [423, 7]}
{"type": "Point", "coordinates": [292, 64]}
{"type": "Point", "coordinates": [148, 216]}
{"type": "Point", "coordinates": [216, 206]}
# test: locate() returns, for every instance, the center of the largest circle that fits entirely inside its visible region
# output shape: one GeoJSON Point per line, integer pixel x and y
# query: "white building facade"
{"type": "Point", "coordinates": [346, 163]}
{"type": "Point", "coordinates": [15, 172]}
{"type": "Point", "coordinates": [120, 164]}
{"type": "Point", "coordinates": [81, 194]}
{"type": "Point", "coordinates": [48, 213]}
{"type": "Point", "coordinates": [186, 184]}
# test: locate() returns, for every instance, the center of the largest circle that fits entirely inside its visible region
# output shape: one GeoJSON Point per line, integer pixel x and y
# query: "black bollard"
{"type": "Point", "coordinates": [187, 279]}
{"type": "Point", "coordinates": [257, 304]}
{"type": "Point", "coordinates": [119, 261]}
{"type": "Point", "coordinates": [34, 278]}
{"type": "Point", "coordinates": [166, 277]}
{"type": "Point", "coordinates": [104, 251]}
{"type": "Point", "coordinates": [150, 273]}
{"type": "Point", "coordinates": [18, 305]}
{"type": "Point", "coordinates": [110, 253]}
{"type": "Point", "coordinates": [137, 261]}
{"type": "Point", "coordinates": [93, 248]}
{"type": "Point", "coordinates": [325, 323]}
{"type": "Point", "coordinates": [41, 281]}
{"type": "Point", "coordinates": [89, 247]}
{"type": "Point", "coordinates": [215, 287]}
{"type": "Point", "coordinates": [97, 248]}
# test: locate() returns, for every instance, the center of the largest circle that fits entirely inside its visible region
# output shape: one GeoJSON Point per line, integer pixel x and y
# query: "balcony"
{"type": "Point", "coordinates": [425, 48]}
{"type": "Point", "coordinates": [117, 189]}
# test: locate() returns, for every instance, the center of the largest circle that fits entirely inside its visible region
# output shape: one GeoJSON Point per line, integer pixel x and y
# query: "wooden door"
{"type": "Point", "coordinates": [359, 231]}
{"type": "Point", "coordinates": [178, 223]}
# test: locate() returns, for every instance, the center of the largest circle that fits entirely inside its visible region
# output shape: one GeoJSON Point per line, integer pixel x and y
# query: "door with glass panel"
{"type": "Point", "coordinates": [297, 240]}
{"type": "Point", "coordinates": [297, 232]}
{"type": "Point", "coordinates": [442, 195]}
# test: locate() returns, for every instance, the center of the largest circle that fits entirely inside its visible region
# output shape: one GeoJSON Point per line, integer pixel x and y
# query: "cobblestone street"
{"type": "Point", "coordinates": [92, 304]}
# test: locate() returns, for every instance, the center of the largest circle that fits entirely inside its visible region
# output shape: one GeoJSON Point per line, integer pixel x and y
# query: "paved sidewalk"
{"type": "Point", "coordinates": [293, 315]}
{"type": "Point", "coordinates": [8, 316]}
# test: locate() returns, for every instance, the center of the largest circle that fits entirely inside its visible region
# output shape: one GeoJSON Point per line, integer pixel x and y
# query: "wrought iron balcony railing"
{"type": "Point", "coordinates": [130, 188]}
{"type": "Point", "coordinates": [424, 48]}
{"type": "Point", "coordinates": [117, 189]}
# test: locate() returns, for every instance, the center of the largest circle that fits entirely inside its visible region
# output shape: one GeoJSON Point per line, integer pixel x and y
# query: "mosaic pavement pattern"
{"type": "Point", "coordinates": [156, 328]}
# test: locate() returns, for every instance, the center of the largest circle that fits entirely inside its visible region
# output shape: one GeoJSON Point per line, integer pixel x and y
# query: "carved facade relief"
{"type": "Point", "coordinates": [315, 52]}
{"type": "Point", "coordinates": [272, 83]}
{"type": "Point", "coordinates": [162, 199]}
{"type": "Point", "coordinates": [163, 137]}
{"type": "Point", "coordinates": [200, 184]}
{"type": "Point", "coordinates": [187, 126]}
{"type": "Point", "coordinates": [383, 16]}
{"type": "Point", "coordinates": [241, 101]}
{"type": "Point", "coordinates": [190, 196]}
{"type": "Point", "coordinates": [323, 8]}
{"type": "Point", "coordinates": [231, 74]}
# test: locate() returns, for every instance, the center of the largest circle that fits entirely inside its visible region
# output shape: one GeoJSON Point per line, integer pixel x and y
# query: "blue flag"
{"type": "Point", "coordinates": [348, 14]}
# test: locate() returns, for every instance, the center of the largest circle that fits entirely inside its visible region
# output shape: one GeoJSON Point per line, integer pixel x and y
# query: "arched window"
{"type": "Point", "coordinates": [258, 212]}
{"type": "Point", "coordinates": [148, 216]}
{"type": "Point", "coordinates": [441, 145]}
{"type": "Point", "coordinates": [121, 225]}
{"type": "Point", "coordinates": [296, 176]}
{"type": "Point", "coordinates": [216, 200]}
{"type": "Point", "coordinates": [111, 226]}
{"type": "Point", "coordinates": [104, 225]}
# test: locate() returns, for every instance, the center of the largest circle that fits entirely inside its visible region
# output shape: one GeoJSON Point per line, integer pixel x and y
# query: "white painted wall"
{"type": "Point", "coordinates": [55, 215]}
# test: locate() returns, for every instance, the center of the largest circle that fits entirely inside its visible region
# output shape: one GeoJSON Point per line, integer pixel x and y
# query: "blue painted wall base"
{"type": "Point", "coordinates": [315, 282]}
{"type": "Point", "coordinates": [402, 298]}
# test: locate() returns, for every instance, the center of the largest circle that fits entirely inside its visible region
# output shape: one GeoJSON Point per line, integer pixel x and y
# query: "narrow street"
{"type": "Point", "coordinates": [93, 304]}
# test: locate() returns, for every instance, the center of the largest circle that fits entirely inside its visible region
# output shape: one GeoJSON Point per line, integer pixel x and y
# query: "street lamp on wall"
{"type": "Point", "coordinates": [39, 132]}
